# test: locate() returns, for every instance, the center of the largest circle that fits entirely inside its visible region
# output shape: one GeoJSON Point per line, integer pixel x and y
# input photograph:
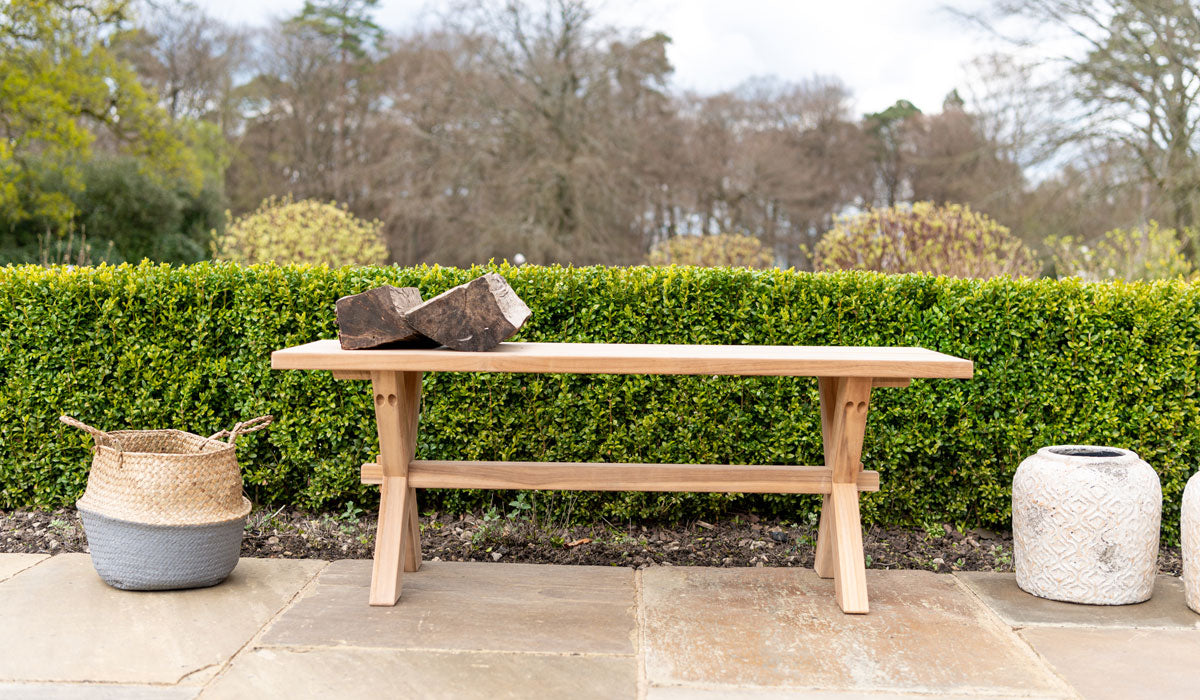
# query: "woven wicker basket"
{"type": "Point", "coordinates": [164, 508]}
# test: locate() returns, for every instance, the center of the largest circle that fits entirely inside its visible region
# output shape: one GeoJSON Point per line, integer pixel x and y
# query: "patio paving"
{"type": "Point", "coordinates": [779, 629]}
{"type": "Point", "coordinates": [1116, 664]}
{"type": "Point", "coordinates": [385, 673]}
{"type": "Point", "coordinates": [297, 629]}
{"type": "Point", "coordinates": [74, 627]}
{"type": "Point", "coordinates": [1166, 609]}
{"type": "Point", "coordinates": [13, 564]}
{"type": "Point", "coordinates": [453, 606]}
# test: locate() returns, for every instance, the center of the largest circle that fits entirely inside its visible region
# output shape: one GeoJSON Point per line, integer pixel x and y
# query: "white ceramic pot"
{"type": "Point", "coordinates": [1086, 525]}
{"type": "Point", "coordinates": [1190, 531]}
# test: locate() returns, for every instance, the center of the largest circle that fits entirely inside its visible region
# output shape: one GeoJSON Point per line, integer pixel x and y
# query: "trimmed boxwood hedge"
{"type": "Point", "coordinates": [188, 347]}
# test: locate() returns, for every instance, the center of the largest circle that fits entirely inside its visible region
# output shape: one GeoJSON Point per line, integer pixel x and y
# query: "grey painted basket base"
{"type": "Point", "coordinates": [137, 557]}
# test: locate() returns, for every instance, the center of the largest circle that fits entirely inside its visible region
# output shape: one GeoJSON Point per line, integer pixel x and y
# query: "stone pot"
{"type": "Point", "coordinates": [1190, 531]}
{"type": "Point", "coordinates": [1086, 525]}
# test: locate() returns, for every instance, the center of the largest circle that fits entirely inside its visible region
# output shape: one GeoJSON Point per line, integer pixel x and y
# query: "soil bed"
{"type": "Point", "coordinates": [737, 541]}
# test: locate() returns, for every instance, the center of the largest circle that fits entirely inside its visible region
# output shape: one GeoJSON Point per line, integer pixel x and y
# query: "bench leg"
{"type": "Point", "coordinates": [844, 404]}
{"type": "Point", "coordinates": [412, 543]}
{"type": "Point", "coordinates": [390, 539]}
{"type": "Point", "coordinates": [850, 575]}
{"type": "Point", "coordinates": [824, 563]}
{"type": "Point", "coordinates": [397, 540]}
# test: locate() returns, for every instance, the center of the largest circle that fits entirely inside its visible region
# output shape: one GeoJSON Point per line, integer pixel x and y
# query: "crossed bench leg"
{"type": "Point", "coordinates": [398, 539]}
{"type": "Point", "coordinates": [844, 404]}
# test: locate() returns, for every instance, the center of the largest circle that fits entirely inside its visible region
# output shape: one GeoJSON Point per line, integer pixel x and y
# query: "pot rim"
{"type": "Point", "coordinates": [1079, 454]}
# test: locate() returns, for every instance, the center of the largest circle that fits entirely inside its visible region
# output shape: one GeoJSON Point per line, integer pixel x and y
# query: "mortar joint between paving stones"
{"type": "Point", "coordinates": [117, 684]}
{"type": "Point", "coordinates": [10, 575]}
{"type": "Point", "coordinates": [639, 636]}
{"type": "Point", "coordinates": [999, 623]}
{"type": "Point", "coordinates": [882, 691]}
{"type": "Point", "coordinates": [305, 648]}
{"type": "Point", "coordinates": [183, 679]}
{"type": "Point", "coordinates": [310, 584]}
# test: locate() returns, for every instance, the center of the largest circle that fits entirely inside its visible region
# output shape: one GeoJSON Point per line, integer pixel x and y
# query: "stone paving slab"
{"type": "Point", "coordinates": [1166, 609]}
{"type": "Point", "coordinates": [1123, 664]}
{"type": "Point", "coordinates": [781, 629]}
{"type": "Point", "coordinates": [469, 607]}
{"type": "Point", "coordinates": [694, 693]}
{"type": "Point", "coordinates": [96, 691]}
{"type": "Point", "coordinates": [13, 564]}
{"type": "Point", "coordinates": [386, 673]}
{"type": "Point", "coordinates": [514, 630]}
{"type": "Point", "coordinates": [80, 629]}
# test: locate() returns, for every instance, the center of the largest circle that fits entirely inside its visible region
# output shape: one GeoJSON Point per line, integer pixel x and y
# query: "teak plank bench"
{"type": "Point", "coordinates": [846, 376]}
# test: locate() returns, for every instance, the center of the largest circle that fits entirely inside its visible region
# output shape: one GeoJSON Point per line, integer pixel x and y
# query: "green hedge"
{"type": "Point", "coordinates": [1056, 362]}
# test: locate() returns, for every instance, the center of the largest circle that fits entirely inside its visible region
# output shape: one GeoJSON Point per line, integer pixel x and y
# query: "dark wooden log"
{"type": "Point", "coordinates": [376, 319]}
{"type": "Point", "coordinates": [475, 316]}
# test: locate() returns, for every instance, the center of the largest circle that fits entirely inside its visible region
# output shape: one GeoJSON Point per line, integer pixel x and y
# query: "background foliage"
{"type": "Point", "coordinates": [1147, 252]}
{"type": "Point", "coordinates": [120, 213]}
{"type": "Point", "coordinates": [720, 250]}
{"type": "Point", "coordinates": [1056, 362]}
{"type": "Point", "coordinates": [286, 231]}
{"type": "Point", "coordinates": [943, 240]}
{"type": "Point", "coordinates": [537, 128]}
{"type": "Point", "coordinates": [61, 90]}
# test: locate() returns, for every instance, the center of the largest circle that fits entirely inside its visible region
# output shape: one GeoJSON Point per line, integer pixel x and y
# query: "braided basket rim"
{"type": "Point", "coordinates": [178, 478]}
{"type": "Point", "coordinates": [219, 448]}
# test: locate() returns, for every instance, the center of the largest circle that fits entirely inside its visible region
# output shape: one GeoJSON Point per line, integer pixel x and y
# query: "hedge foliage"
{"type": "Point", "coordinates": [188, 347]}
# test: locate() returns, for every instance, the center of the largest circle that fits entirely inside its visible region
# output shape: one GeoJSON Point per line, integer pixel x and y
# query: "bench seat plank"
{"type": "Point", "coordinates": [632, 358]}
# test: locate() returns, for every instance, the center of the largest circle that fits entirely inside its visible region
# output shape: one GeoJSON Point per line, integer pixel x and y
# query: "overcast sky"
{"type": "Point", "coordinates": [884, 50]}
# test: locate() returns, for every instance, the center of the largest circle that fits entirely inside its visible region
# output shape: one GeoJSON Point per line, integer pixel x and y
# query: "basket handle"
{"type": "Point", "coordinates": [244, 427]}
{"type": "Point", "coordinates": [98, 435]}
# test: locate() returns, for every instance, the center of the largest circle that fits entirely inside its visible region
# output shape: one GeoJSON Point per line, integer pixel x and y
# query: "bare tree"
{"type": "Point", "coordinates": [1136, 77]}
{"type": "Point", "coordinates": [307, 110]}
{"type": "Point", "coordinates": [1018, 107]}
{"type": "Point", "coordinates": [772, 160]}
{"type": "Point", "coordinates": [952, 160]}
{"type": "Point", "coordinates": [189, 58]}
{"type": "Point", "coordinates": [521, 130]}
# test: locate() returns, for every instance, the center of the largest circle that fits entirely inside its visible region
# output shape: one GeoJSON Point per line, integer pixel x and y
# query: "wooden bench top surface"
{"type": "Point", "coordinates": [620, 358]}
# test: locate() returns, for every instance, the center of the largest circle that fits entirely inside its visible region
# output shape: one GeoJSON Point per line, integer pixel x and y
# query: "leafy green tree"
{"type": "Point", "coordinates": [120, 213]}
{"type": "Point", "coordinates": [943, 240]}
{"type": "Point", "coordinates": [143, 216]}
{"type": "Point", "coordinates": [287, 231]}
{"type": "Point", "coordinates": [346, 23]}
{"type": "Point", "coordinates": [723, 250]}
{"type": "Point", "coordinates": [61, 89]}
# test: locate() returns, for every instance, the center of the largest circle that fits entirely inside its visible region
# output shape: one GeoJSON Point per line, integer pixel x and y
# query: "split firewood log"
{"type": "Point", "coordinates": [475, 316]}
{"type": "Point", "coordinates": [376, 318]}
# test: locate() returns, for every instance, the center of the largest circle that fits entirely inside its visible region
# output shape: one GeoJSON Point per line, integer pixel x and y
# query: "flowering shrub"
{"type": "Point", "coordinates": [947, 240]}
{"type": "Point", "coordinates": [1147, 253]}
{"type": "Point", "coordinates": [723, 250]}
{"type": "Point", "coordinates": [286, 231]}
